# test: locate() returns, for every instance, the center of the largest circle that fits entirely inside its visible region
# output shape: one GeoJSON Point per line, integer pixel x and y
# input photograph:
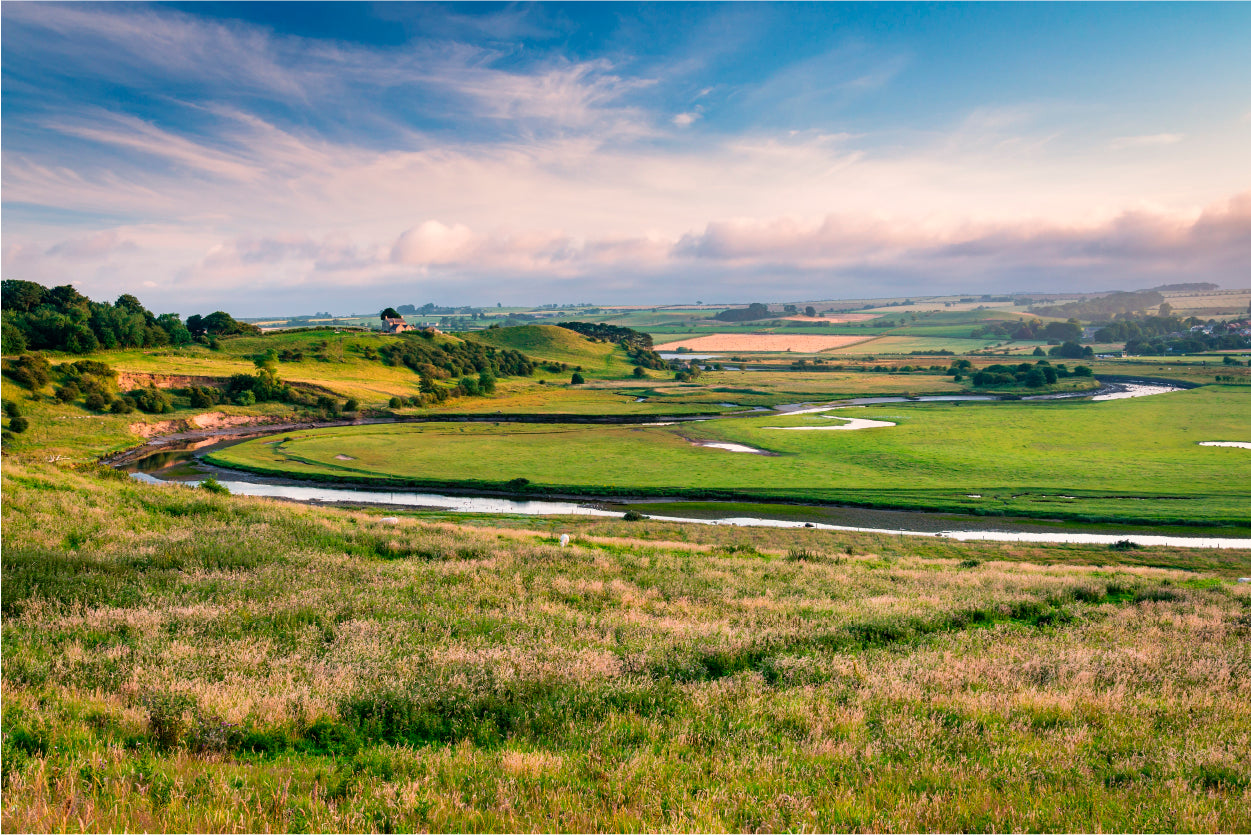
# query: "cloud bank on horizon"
{"type": "Point", "coordinates": [286, 157]}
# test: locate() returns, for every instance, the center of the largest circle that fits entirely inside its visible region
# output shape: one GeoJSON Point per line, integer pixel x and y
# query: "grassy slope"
{"type": "Point", "coordinates": [184, 662]}
{"type": "Point", "coordinates": [1018, 456]}
{"type": "Point", "coordinates": [555, 344]}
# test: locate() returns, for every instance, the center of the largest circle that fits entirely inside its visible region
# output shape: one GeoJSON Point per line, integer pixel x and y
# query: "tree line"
{"type": "Point", "coordinates": [39, 318]}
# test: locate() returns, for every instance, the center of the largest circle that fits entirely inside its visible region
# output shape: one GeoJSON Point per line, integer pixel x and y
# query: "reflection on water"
{"type": "Point", "coordinates": [494, 505]}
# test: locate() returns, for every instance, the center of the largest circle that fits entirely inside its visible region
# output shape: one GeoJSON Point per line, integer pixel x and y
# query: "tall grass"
{"type": "Point", "coordinates": [177, 660]}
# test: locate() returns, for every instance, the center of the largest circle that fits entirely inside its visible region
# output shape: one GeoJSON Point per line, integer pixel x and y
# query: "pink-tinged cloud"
{"type": "Point", "coordinates": [1219, 238]}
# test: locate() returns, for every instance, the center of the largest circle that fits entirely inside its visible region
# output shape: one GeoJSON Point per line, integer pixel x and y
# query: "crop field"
{"type": "Point", "coordinates": [907, 344]}
{"type": "Point", "coordinates": [1018, 458]}
{"type": "Point", "coordinates": [180, 661]}
{"type": "Point", "coordinates": [805, 343]}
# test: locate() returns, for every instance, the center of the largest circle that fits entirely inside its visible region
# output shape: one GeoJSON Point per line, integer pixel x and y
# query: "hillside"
{"type": "Point", "coordinates": [554, 344]}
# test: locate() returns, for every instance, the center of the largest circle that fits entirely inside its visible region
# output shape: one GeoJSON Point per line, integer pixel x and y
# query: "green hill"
{"type": "Point", "coordinates": [554, 344]}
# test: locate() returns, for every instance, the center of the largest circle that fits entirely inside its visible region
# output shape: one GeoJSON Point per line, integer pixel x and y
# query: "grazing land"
{"type": "Point", "coordinates": [805, 343]}
{"type": "Point", "coordinates": [1011, 455]}
{"type": "Point", "coordinates": [181, 661]}
{"type": "Point", "coordinates": [177, 659]}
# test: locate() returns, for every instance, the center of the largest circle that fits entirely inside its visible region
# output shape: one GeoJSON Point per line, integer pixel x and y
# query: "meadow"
{"type": "Point", "coordinates": [1126, 460]}
{"type": "Point", "coordinates": [182, 661]}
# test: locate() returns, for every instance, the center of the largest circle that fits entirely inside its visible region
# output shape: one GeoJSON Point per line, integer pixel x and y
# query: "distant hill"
{"type": "Point", "coordinates": [1197, 287]}
{"type": "Point", "coordinates": [1105, 307]}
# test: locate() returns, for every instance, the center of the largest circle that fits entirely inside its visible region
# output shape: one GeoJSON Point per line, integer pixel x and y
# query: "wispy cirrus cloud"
{"type": "Point", "coordinates": [239, 157]}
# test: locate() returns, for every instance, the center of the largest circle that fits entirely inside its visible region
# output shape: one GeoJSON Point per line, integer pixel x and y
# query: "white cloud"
{"type": "Point", "coordinates": [685, 120]}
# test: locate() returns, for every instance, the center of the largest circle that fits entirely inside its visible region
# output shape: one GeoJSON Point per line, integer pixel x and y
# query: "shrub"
{"type": "Point", "coordinates": [96, 401]}
{"type": "Point", "coordinates": [30, 370]}
{"type": "Point", "coordinates": [396, 403]}
{"type": "Point", "coordinates": [11, 409]}
{"type": "Point", "coordinates": [633, 516]}
{"type": "Point", "coordinates": [68, 392]}
{"type": "Point", "coordinates": [19, 424]}
{"type": "Point", "coordinates": [122, 406]}
{"type": "Point", "coordinates": [202, 396]}
{"type": "Point", "coordinates": [212, 485]}
{"type": "Point", "coordinates": [245, 398]}
{"type": "Point", "coordinates": [352, 405]}
{"type": "Point", "coordinates": [577, 379]}
{"type": "Point", "coordinates": [1124, 545]}
{"type": "Point", "coordinates": [153, 401]}
{"type": "Point", "coordinates": [639, 372]}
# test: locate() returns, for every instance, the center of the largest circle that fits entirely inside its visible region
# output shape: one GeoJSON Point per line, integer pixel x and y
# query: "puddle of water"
{"type": "Point", "coordinates": [1235, 444]}
{"type": "Point", "coordinates": [852, 423]}
{"type": "Point", "coordinates": [733, 447]}
{"type": "Point", "coordinates": [1135, 390]}
{"type": "Point", "coordinates": [674, 355]}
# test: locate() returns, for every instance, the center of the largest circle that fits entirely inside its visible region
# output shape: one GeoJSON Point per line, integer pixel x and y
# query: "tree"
{"type": "Point", "coordinates": [577, 379]}
{"type": "Point", "coordinates": [639, 372]}
{"type": "Point", "coordinates": [1039, 352]}
{"type": "Point", "coordinates": [389, 313]}
{"type": "Point", "coordinates": [486, 382]}
{"type": "Point", "coordinates": [810, 311]}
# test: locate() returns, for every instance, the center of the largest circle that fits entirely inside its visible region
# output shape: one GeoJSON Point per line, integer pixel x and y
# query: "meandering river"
{"type": "Point", "coordinates": [178, 463]}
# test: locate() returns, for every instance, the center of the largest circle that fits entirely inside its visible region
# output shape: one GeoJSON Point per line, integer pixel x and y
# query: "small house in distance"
{"type": "Point", "coordinates": [396, 325]}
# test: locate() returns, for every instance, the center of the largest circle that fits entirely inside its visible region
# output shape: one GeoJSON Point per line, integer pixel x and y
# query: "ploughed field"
{"type": "Point", "coordinates": [1129, 460]}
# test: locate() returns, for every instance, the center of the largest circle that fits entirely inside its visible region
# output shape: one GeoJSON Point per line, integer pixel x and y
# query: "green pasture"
{"type": "Point", "coordinates": [1134, 459]}
{"type": "Point", "coordinates": [555, 344]}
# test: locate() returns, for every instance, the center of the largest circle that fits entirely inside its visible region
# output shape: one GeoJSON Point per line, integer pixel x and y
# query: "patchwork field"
{"type": "Point", "coordinates": [751, 342]}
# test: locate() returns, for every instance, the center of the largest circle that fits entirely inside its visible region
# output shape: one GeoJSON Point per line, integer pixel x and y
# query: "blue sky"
{"type": "Point", "coordinates": [286, 157]}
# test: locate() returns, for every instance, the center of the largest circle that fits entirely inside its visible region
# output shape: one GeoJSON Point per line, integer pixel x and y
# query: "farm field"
{"type": "Point", "coordinates": [907, 344]}
{"type": "Point", "coordinates": [331, 672]}
{"type": "Point", "coordinates": [1024, 461]}
{"type": "Point", "coordinates": [802, 343]}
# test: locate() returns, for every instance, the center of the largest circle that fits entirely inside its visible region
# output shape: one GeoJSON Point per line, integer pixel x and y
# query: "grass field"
{"type": "Point", "coordinates": [551, 343]}
{"type": "Point", "coordinates": [1129, 459]}
{"type": "Point", "coordinates": [801, 343]}
{"type": "Point", "coordinates": [178, 661]}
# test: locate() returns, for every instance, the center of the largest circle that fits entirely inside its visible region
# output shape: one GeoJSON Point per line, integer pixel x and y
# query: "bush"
{"type": "Point", "coordinates": [212, 485]}
{"type": "Point", "coordinates": [122, 406]}
{"type": "Point", "coordinates": [633, 516]}
{"type": "Point", "coordinates": [29, 370]}
{"type": "Point", "coordinates": [202, 396]}
{"type": "Point", "coordinates": [352, 405]}
{"type": "Point", "coordinates": [245, 398]}
{"type": "Point", "coordinates": [639, 372]}
{"type": "Point", "coordinates": [19, 424]}
{"type": "Point", "coordinates": [577, 379]}
{"type": "Point", "coordinates": [396, 403]}
{"type": "Point", "coordinates": [96, 401]}
{"type": "Point", "coordinates": [153, 401]}
{"type": "Point", "coordinates": [11, 409]}
{"type": "Point", "coordinates": [1124, 545]}
{"type": "Point", "coordinates": [68, 392]}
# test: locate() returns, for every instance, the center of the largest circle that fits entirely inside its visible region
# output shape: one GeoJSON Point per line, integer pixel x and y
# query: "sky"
{"type": "Point", "coordinates": [287, 158]}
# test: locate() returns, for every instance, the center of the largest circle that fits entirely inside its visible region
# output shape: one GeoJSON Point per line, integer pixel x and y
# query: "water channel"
{"type": "Point", "coordinates": [178, 462]}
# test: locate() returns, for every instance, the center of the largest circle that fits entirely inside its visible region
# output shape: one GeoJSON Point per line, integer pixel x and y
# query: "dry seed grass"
{"type": "Point", "coordinates": [695, 689]}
